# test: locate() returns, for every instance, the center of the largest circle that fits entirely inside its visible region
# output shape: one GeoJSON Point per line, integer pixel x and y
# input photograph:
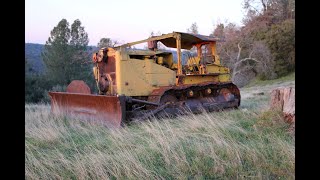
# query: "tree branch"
{"type": "Point", "coordinates": [250, 54]}
{"type": "Point", "coordinates": [239, 52]}
{"type": "Point", "coordinates": [241, 70]}
{"type": "Point", "coordinates": [227, 53]}
{"type": "Point", "coordinates": [246, 59]}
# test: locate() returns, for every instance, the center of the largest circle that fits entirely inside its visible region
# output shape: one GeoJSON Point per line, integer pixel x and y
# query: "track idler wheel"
{"type": "Point", "coordinates": [225, 95]}
{"type": "Point", "coordinates": [168, 98]}
{"type": "Point", "coordinates": [171, 102]}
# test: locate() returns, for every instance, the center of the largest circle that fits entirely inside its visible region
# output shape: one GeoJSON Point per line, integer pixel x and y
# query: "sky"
{"type": "Point", "coordinates": [128, 20]}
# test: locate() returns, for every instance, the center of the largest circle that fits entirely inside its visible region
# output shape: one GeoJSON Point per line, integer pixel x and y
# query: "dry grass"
{"type": "Point", "coordinates": [248, 143]}
{"type": "Point", "coordinates": [233, 144]}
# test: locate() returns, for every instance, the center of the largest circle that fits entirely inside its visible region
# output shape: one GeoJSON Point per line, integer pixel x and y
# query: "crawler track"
{"type": "Point", "coordinates": [177, 100]}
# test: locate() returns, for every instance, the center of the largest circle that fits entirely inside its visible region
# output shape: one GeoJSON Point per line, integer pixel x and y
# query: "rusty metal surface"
{"type": "Point", "coordinates": [169, 40]}
{"type": "Point", "coordinates": [107, 71]}
{"type": "Point", "coordinates": [178, 44]}
{"type": "Point", "coordinates": [226, 95]}
{"type": "Point", "coordinates": [107, 109]}
{"type": "Point", "coordinates": [146, 52]}
{"type": "Point", "coordinates": [188, 40]}
{"type": "Point", "coordinates": [194, 105]}
{"type": "Point", "coordinates": [130, 100]}
{"type": "Point", "coordinates": [77, 86]}
{"type": "Point", "coordinates": [108, 68]}
{"type": "Point", "coordinates": [157, 93]}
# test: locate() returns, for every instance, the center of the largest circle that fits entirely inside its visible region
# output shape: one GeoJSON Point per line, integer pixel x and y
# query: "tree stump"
{"type": "Point", "coordinates": [284, 99]}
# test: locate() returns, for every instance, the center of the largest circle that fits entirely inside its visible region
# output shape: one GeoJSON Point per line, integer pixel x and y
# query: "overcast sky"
{"type": "Point", "coordinates": [127, 20]}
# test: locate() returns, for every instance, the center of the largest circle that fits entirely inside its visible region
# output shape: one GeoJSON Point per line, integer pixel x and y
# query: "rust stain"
{"type": "Point", "coordinates": [107, 109]}
{"type": "Point", "coordinates": [77, 86]}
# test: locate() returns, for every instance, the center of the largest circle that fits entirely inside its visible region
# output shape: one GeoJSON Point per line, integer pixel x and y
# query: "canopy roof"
{"type": "Point", "coordinates": [187, 40]}
{"type": "Point", "coordinates": [169, 40]}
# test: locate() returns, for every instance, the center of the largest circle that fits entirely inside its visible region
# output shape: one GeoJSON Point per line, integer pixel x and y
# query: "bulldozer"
{"type": "Point", "coordinates": [135, 83]}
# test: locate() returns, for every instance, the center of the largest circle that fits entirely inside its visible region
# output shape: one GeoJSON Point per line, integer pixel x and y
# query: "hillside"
{"type": "Point", "coordinates": [249, 142]}
{"type": "Point", "coordinates": [33, 54]}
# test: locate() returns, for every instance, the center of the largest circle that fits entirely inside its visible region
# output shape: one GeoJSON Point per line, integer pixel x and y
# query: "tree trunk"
{"type": "Point", "coordinates": [284, 100]}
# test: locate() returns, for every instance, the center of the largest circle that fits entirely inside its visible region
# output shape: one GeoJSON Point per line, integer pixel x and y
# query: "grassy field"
{"type": "Point", "coordinates": [248, 143]}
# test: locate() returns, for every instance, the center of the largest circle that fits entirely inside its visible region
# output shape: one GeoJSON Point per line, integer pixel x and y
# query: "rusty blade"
{"type": "Point", "coordinates": [107, 109]}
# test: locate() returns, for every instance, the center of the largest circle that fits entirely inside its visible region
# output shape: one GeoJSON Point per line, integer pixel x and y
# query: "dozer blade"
{"type": "Point", "coordinates": [110, 110]}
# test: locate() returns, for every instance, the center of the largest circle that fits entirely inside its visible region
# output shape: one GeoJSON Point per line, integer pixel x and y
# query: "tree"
{"type": "Point", "coordinates": [245, 57]}
{"type": "Point", "coordinates": [281, 41]}
{"type": "Point", "coordinates": [219, 31]}
{"type": "Point", "coordinates": [193, 28]}
{"type": "Point", "coordinates": [65, 53]}
{"type": "Point", "coordinates": [27, 67]}
{"type": "Point", "coordinates": [235, 53]}
{"type": "Point", "coordinates": [279, 10]}
{"type": "Point", "coordinates": [265, 67]}
{"type": "Point", "coordinates": [107, 42]}
{"type": "Point", "coordinates": [160, 46]}
{"type": "Point", "coordinates": [35, 84]}
{"type": "Point", "coordinates": [80, 64]}
{"type": "Point", "coordinates": [56, 52]}
{"type": "Point", "coordinates": [273, 23]}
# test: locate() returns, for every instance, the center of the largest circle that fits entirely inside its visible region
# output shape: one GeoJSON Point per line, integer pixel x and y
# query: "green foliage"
{"type": "Point", "coordinates": [27, 67]}
{"type": "Point", "coordinates": [106, 42]}
{"type": "Point", "coordinates": [281, 40]}
{"type": "Point", "coordinates": [35, 84]}
{"type": "Point", "coordinates": [66, 57]}
{"type": "Point", "coordinates": [193, 28]}
{"type": "Point", "coordinates": [259, 82]}
{"type": "Point", "coordinates": [33, 55]}
{"type": "Point", "coordinates": [65, 54]}
{"type": "Point", "coordinates": [34, 67]}
{"type": "Point", "coordinates": [274, 25]}
{"type": "Point", "coordinates": [219, 31]}
{"type": "Point", "coordinates": [35, 87]}
{"type": "Point", "coordinates": [56, 54]}
{"type": "Point", "coordinates": [265, 45]}
{"type": "Point", "coordinates": [56, 88]}
{"type": "Point", "coordinates": [79, 38]}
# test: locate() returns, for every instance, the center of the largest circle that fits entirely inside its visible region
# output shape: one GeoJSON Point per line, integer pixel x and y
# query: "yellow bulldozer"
{"type": "Point", "coordinates": [136, 83]}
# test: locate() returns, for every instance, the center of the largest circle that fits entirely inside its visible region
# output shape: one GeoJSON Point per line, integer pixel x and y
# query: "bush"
{"type": "Point", "coordinates": [56, 88]}
{"type": "Point", "coordinates": [281, 41]}
{"type": "Point", "coordinates": [35, 86]}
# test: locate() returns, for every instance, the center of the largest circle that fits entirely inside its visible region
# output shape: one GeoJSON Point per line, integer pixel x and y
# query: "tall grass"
{"type": "Point", "coordinates": [247, 143]}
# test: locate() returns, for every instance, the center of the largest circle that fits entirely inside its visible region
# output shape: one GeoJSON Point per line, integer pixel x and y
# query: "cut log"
{"type": "Point", "coordinates": [284, 99]}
